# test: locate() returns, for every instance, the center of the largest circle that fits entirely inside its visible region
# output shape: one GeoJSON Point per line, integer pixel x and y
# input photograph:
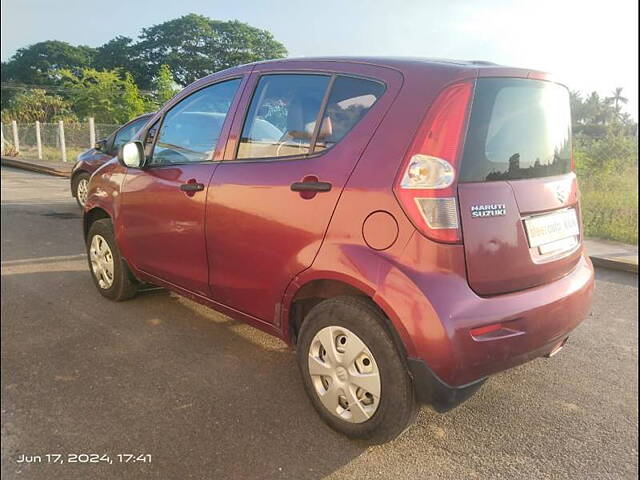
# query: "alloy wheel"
{"type": "Point", "coordinates": [82, 191]}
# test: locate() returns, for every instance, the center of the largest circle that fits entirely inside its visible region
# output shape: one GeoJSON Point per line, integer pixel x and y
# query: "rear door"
{"type": "Point", "coordinates": [518, 195]}
{"type": "Point", "coordinates": [287, 161]}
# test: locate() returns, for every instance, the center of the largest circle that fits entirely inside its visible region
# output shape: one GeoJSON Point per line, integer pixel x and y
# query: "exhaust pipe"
{"type": "Point", "coordinates": [557, 348]}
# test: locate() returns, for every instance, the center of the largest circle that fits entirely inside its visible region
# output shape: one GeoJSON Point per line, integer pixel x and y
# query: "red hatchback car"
{"type": "Point", "coordinates": [410, 226]}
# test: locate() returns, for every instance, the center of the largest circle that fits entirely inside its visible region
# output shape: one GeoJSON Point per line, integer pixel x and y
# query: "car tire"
{"type": "Point", "coordinates": [80, 188]}
{"type": "Point", "coordinates": [109, 271]}
{"type": "Point", "coordinates": [347, 321]}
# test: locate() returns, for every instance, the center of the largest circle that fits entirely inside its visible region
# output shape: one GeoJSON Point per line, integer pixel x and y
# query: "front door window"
{"type": "Point", "coordinates": [190, 130]}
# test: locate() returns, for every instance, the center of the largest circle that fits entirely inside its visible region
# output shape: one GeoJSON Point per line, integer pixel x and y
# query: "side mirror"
{"type": "Point", "coordinates": [101, 145]}
{"type": "Point", "coordinates": [131, 154]}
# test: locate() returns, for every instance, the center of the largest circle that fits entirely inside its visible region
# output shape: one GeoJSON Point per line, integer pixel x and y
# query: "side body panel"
{"type": "Point", "coordinates": [104, 192]}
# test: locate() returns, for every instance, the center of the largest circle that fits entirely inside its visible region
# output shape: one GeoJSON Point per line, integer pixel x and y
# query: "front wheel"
{"type": "Point", "coordinates": [81, 188]}
{"type": "Point", "coordinates": [109, 272]}
{"type": "Point", "coordinates": [353, 372]}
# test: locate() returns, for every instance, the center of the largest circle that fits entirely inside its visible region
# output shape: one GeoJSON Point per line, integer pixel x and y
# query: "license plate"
{"type": "Point", "coordinates": [551, 227]}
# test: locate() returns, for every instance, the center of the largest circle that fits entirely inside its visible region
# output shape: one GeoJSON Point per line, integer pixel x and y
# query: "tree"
{"type": "Point", "coordinates": [596, 117]}
{"type": "Point", "coordinates": [33, 64]}
{"type": "Point", "coordinates": [164, 85]}
{"type": "Point", "coordinates": [116, 53]}
{"type": "Point", "coordinates": [577, 107]}
{"type": "Point", "coordinates": [194, 46]}
{"type": "Point", "coordinates": [617, 99]}
{"type": "Point", "coordinates": [107, 96]}
{"type": "Point", "coordinates": [31, 105]}
{"type": "Point", "coordinates": [132, 104]}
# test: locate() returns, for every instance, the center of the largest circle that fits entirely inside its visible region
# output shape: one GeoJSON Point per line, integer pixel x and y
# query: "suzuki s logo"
{"type": "Point", "coordinates": [562, 193]}
{"type": "Point", "coordinates": [491, 210]}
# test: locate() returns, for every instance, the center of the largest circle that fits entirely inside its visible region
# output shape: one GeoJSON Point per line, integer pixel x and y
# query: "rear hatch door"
{"type": "Point", "coordinates": [518, 197]}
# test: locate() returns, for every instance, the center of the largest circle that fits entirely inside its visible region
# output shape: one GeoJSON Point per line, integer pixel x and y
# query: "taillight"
{"type": "Point", "coordinates": [573, 161]}
{"type": "Point", "coordinates": [426, 185]}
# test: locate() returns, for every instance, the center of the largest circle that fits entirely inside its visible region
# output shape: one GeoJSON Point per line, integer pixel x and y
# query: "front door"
{"type": "Point", "coordinates": [163, 204]}
{"type": "Point", "coordinates": [270, 202]}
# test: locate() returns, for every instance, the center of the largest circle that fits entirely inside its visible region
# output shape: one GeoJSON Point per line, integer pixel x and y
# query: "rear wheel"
{"type": "Point", "coordinates": [81, 188]}
{"type": "Point", "coordinates": [110, 273]}
{"type": "Point", "coordinates": [352, 371]}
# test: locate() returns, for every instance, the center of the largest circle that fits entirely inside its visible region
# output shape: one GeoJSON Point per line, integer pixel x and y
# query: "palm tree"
{"type": "Point", "coordinates": [617, 99]}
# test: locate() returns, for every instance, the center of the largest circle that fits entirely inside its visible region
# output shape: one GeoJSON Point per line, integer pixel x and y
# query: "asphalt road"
{"type": "Point", "coordinates": [208, 397]}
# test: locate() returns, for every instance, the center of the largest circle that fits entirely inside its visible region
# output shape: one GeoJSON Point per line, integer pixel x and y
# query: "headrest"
{"type": "Point", "coordinates": [326, 128]}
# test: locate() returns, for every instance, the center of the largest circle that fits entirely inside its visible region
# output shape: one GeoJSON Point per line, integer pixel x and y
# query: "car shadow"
{"type": "Point", "coordinates": [628, 279]}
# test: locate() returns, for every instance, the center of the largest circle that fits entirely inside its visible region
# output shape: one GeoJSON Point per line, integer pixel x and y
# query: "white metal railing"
{"type": "Point", "coordinates": [60, 141]}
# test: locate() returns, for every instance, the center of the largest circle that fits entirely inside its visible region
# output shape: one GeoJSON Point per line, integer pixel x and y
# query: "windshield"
{"type": "Point", "coordinates": [518, 129]}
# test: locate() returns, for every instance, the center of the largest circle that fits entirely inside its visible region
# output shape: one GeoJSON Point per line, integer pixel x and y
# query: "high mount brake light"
{"type": "Point", "coordinates": [426, 186]}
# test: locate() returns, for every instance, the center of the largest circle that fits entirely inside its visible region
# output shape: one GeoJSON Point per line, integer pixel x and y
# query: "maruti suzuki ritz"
{"type": "Point", "coordinates": [410, 226]}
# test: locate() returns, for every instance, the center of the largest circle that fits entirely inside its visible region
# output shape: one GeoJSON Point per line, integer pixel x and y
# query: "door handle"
{"type": "Point", "coordinates": [192, 187]}
{"type": "Point", "coordinates": [314, 187]}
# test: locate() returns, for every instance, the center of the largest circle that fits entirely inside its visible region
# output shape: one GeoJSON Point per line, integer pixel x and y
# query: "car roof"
{"type": "Point", "coordinates": [405, 65]}
{"type": "Point", "coordinates": [385, 60]}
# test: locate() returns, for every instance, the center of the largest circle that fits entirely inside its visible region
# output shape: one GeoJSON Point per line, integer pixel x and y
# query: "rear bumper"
{"type": "Point", "coordinates": [534, 322]}
{"type": "Point", "coordinates": [433, 391]}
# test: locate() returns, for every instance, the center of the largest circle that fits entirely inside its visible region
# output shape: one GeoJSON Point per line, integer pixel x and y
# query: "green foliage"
{"type": "Point", "coordinates": [117, 53]}
{"type": "Point", "coordinates": [191, 47]}
{"type": "Point", "coordinates": [164, 86]}
{"type": "Point", "coordinates": [597, 117]}
{"type": "Point", "coordinates": [194, 46]}
{"type": "Point", "coordinates": [607, 169]}
{"type": "Point", "coordinates": [132, 104]}
{"type": "Point", "coordinates": [34, 64]}
{"type": "Point", "coordinates": [32, 105]}
{"type": "Point", "coordinates": [106, 96]}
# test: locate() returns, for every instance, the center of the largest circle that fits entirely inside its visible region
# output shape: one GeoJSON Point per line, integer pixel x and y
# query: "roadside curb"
{"type": "Point", "coordinates": [34, 167]}
{"type": "Point", "coordinates": [615, 264]}
{"type": "Point", "coordinates": [612, 255]}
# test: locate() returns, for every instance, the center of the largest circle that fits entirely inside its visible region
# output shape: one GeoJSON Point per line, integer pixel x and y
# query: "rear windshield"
{"type": "Point", "coordinates": [518, 129]}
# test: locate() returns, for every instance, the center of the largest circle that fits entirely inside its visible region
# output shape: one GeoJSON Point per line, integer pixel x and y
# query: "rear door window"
{"type": "Point", "coordinates": [282, 116]}
{"type": "Point", "coordinates": [350, 100]}
{"type": "Point", "coordinates": [518, 129]}
{"type": "Point", "coordinates": [285, 108]}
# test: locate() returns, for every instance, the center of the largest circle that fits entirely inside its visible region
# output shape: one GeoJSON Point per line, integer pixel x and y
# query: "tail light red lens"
{"type": "Point", "coordinates": [573, 161]}
{"type": "Point", "coordinates": [426, 185]}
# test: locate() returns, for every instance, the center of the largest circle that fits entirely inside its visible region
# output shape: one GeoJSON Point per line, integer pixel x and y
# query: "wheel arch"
{"type": "Point", "coordinates": [74, 177]}
{"type": "Point", "coordinates": [305, 294]}
{"type": "Point", "coordinates": [93, 215]}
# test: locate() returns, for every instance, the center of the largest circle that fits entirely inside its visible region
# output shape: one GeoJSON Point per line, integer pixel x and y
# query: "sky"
{"type": "Point", "coordinates": [588, 45]}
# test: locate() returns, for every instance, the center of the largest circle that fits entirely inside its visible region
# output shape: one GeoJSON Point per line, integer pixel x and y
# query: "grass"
{"type": "Point", "coordinates": [610, 205]}
{"type": "Point", "coordinates": [50, 154]}
{"type": "Point", "coordinates": [607, 171]}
